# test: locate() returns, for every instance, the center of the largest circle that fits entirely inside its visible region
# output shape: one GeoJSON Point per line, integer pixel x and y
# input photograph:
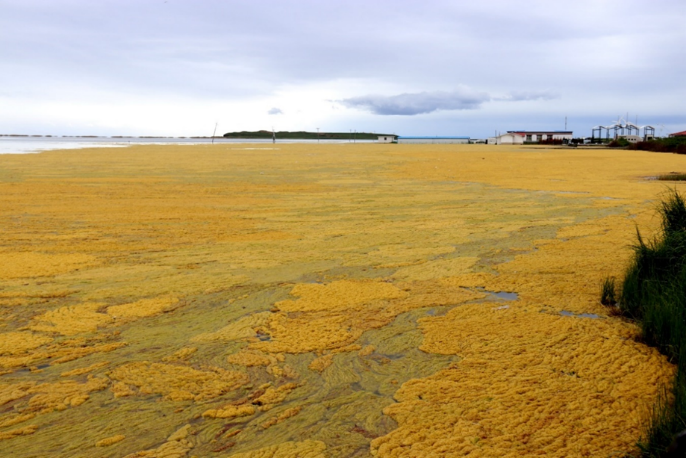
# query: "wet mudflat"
{"type": "Point", "coordinates": [320, 300]}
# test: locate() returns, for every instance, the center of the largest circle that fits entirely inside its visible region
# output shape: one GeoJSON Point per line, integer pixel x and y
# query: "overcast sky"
{"type": "Point", "coordinates": [177, 67]}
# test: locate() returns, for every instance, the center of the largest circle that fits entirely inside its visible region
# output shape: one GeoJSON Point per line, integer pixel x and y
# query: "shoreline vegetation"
{"type": "Point", "coordinates": [653, 295]}
{"type": "Point", "coordinates": [657, 145]}
{"type": "Point", "coordinates": [672, 177]}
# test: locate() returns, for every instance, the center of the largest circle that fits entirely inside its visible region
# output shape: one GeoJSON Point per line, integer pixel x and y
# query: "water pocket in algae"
{"type": "Point", "coordinates": [319, 300]}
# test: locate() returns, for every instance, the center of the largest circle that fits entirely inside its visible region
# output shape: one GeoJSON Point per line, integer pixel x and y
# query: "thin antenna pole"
{"type": "Point", "coordinates": [566, 123]}
{"type": "Point", "coordinates": [213, 134]}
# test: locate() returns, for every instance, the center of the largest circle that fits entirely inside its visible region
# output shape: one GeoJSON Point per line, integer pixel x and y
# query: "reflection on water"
{"type": "Point", "coordinates": [506, 296]}
{"type": "Point", "coordinates": [23, 145]}
{"type": "Point", "coordinates": [581, 315]}
{"type": "Point", "coordinates": [500, 295]}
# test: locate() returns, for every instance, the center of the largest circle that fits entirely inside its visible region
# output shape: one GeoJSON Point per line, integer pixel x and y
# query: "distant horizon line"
{"type": "Point", "coordinates": [352, 132]}
{"type": "Point", "coordinates": [103, 136]}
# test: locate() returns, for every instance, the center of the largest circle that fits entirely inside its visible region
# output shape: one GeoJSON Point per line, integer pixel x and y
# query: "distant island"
{"type": "Point", "coordinates": [303, 135]}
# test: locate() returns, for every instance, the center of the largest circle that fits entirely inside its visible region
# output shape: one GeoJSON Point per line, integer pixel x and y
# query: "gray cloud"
{"type": "Point", "coordinates": [528, 95]}
{"type": "Point", "coordinates": [418, 103]}
{"type": "Point", "coordinates": [275, 111]}
{"type": "Point", "coordinates": [428, 102]}
{"type": "Point", "coordinates": [203, 52]}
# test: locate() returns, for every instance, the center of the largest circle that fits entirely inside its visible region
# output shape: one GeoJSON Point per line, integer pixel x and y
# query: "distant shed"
{"type": "Point", "coordinates": [511, 138]}
{"type": "Point", "coordinates": [433, 139]}
{"type": "Point", "coordinates": [533, 136]}
{"type": "Point", "coordinates": [631, 138]}
{"type": "Point", "coordinates": [386, 138]}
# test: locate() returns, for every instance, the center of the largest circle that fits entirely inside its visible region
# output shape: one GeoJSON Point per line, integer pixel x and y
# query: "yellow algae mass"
{"type": "Point", "coordinates": [305, 449]}
{"type": "Point", "coordinates": [556, 383]}
{"type": "Point", "coordinates": [181, 355]}
{"type": "Point", "coordinates": [241, 329]}
{"type": "Point", "coordinates": [72, 320]}
{"type": "Point", "coordinates": [314, 332]}
{"type": "Point", "coordinates": [59, 353]}
{"type": "Point", "coordinates": [273, 396]}
{"type": "Point", "coordinates": [566, 273]}
{"type": "Point", "coordinates": [285, 415]}
{"type": "Point", "coordinates": [14, 343]}
{"type": "Point", "coordinates": [110, 440]}
{"type": "Point", "coordinates": [321, 363]}
{"type": "Point", "coordinates": [85, 370]}
{"type": "Point", "coordinates": [12, 391]}
{"type": "Point", "coordinates": [437, 269]}
{"type": "Point", "coordinates": [366, 350]}
{"type": "Point", "coordinates": [13, 420]}
{"type": "Point", "coordinates": [143, 308]}
{"type": "Point", "coordinates": [250, 358]}
{"type": "Point", "coordinates": [25, 431]}
{"type": "Point", "coordinates": [349, 288]}
{"type": "Point", "coordinates": [335, 320]}
{"type": "Point", "coordinates": [230, 411]}
{"type": "Point", "coordinates": [65, 394]}
{"type": "Point", "coordinates": [338, 295]}
{"type": "Point", "coordinates": [30, 399]}
{"type": "Point", "coordinates": [175, 382]}
{"type": "Point", "coordinates": [404, 254]}
{"type": "Point", "coordinates": [31, 264]}
{"type": "Point", "coordinates": [176, 446]}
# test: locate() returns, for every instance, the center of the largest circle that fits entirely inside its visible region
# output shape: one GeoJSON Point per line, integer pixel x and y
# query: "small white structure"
{"type": "Point", "coordinates": [509, 138]}
{"type": "Point", "coordinates": [433, 139]}
{"type": "Point", "coordinates": [534, 136]}
{"type": "Point", "coordinates": [386, 139]}
{"type": "Point", "coordinates": [632, 138]}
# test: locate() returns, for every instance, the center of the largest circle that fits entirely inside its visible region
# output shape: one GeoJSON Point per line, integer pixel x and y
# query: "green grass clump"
{"type": "Point", "coordinates": [619, 142]}
{"type": "Point", "coordinates": [661, 145]}
{"type": "Point", "coordinates": [653, 294]}
{"type": "Point", "coordinates": [672, 177]}
{"type": "Point", "coordinates": [666, 419]}
{"type": "Point", "coordinates": [608, 292]}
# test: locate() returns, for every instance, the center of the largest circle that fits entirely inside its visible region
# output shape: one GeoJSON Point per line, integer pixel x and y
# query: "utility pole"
{"type": "Point", "coordinates": [213, 134]}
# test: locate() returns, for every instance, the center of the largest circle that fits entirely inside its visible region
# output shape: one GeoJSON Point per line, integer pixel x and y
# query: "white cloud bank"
{"type": "Point", "coordinates": [116, 67]}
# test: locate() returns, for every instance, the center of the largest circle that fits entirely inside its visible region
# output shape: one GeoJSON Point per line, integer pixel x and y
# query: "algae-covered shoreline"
{"type": "Point", "coordinates": [321, 299]}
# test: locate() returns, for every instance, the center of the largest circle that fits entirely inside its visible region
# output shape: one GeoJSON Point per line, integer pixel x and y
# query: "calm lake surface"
{"type": "Point", "coordinates": [23, 145]}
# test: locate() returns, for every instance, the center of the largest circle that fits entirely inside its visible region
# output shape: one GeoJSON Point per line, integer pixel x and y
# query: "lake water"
{"type": "Point", "coordinates": [23, 145]}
